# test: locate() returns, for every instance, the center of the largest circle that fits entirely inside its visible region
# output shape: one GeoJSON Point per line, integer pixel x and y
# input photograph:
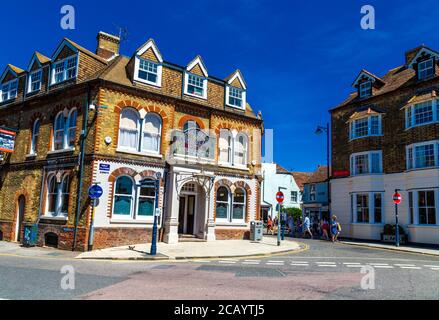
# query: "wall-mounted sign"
{"type": "Point", "coordinates": [103, 167]}
{"type": "Point", "coordinates": [341, 173]}
{"type": "Point", "coordinates": [7, 141]}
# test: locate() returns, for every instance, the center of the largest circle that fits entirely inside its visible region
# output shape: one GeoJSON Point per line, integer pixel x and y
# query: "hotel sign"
{"type": "Point", "coordinates": [341, 173]}
{"type": "Point", "coordinates": [7, 141]}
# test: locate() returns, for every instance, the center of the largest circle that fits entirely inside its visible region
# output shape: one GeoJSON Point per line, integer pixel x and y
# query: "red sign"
{"type": "Point", "coordinates": [397, 198]}
{"type": "Point", "coordinates": [280, 197]}
{"type": "Point", "coordinates": [341, 173]}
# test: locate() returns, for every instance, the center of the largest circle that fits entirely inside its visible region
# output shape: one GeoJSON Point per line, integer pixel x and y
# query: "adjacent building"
{"type": "Point", "coordinates": [275, 179]}
{"type": "Point", "coordinates": [316, 195]}
{"type": "Point", "coordinates": [126, 123]}
{"type": "Point", "coordinates": [385, 136]}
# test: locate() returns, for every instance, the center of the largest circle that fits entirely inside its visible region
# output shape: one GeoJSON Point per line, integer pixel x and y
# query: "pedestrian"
{"type": "Point", "coordinates": [307, 227]}
{"type": "Point", "coordinates": [335, 229]}
{"type": "Point", "coordinates": [269, 225]}
{"type": "Point", "coordinates": [325, 229]}
{"type": "Point", "coordinates": [291, 226]}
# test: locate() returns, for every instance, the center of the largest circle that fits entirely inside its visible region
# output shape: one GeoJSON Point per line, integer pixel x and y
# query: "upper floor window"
{"type": "Point", "coordinates": [225, 146]}
{"type": "Point", "coordinates": [196, 85]}
{"type": "Point", "coordinates": [140, 135]}
{"type": "Point", "coordinates": [312, 192]}
{"type": "Point", "coordinates": [235, 97]}
{"type": "Point", "coordinates": [9, 90]}
{"type": "Point", "coordinates": [365, 89]}
{"type": "Point", "coordinates": [148, 72]}
{"type": "Point", "coordinates": [364, 127]}
{"type": "Point", "coordinates": [294, 196]}
{"type": "Point", "coordinates": [58, 193]}
{"type": "Point", "coordinates": [34, 81]}
{"type": "Point", "coordinates": [425, 69]}
{"type": "Point", "coordinates": [35, 135]}
{"type": "Point", "coordinates": [64, 70]}
{"type": "Point", "coordinates": [366, 163]}
{"type": "Point", "coordinates": [241, 150]}
{"type": "Point", "coordinates": [64, 133]}
{"type": "Point", "coordinates": [423, 155]}
{"type": "Point", "coordinates": [422, 113]}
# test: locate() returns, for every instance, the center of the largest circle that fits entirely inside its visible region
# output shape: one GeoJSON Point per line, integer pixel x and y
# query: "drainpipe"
{"type": "Point", "coordinates": [81, 166]}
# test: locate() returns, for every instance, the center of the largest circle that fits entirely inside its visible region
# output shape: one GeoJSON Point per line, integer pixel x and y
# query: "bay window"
{"type": "Point", "coordinates": [9, 90]}
{"type": "Point", "coordinates": [366, 163]}
{"type": "Point", "coordinates": [364, 127]}
{"type": "Point", "coordinates": [64, 70]}
{"type": "Point", "coordinates": [367, 207]}
{"type": "Point", "coordinates": [422, 114]}
{"type": "Point", "coordinates": [423, 155]}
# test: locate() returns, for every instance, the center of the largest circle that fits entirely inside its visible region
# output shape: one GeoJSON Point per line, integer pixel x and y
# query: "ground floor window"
{"type": "Point", "coordinates": [230, 207]}
{"type": "Point", "coordinates": [423, 207]}
{"type": "Point", "coordinates": [367, 207]}
{"type": "Point", "coordinates": [133, 201]}
{"type": "Point", "coordinates": [58, 194]}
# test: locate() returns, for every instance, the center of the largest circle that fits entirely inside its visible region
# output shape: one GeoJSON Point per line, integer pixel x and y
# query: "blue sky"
{"type": "Point", "coordinates": [299, 58]}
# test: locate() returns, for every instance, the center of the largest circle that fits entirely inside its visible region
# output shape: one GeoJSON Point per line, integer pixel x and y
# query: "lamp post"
{"type": "Point", "coordinates": [319, 131]}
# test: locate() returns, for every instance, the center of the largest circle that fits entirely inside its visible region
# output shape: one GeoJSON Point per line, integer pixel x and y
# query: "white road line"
{"type": "Point", "coordinates": [275, 264]}
{"type": "Point", "coordinates": [405, 265]}
{"type": "Point", "coordinates": [431, 266]}
{"type": "Point", "coordinates": [300, 262]}
{"type": "Point", "coordinates": [325, 262]}
{"type": "Point", "coordinates": [354, 266]}
{"type": "Point", "coordinates": [227, 262]}
{"type": "Point", "coordinates": [414, 268]}
{"type": "Point", "coordinates": [202, 261]}
{"type": "Point", "coordinates": [252, 261]}
{"type": "Point", "coordinates": [435, 269]}
{"type": "Point", "coordinates": [327, 266]}
{"type": "Point", "coordinates": [384, 267]}
{"type": "Point", "coordinates": [299, 265]}
{"type": "Point", "coordinates": [351, 263]}
{"type": "Point", "coordinates": [276, 261]}
{"type": "Point", "coordinates": [378, 264]}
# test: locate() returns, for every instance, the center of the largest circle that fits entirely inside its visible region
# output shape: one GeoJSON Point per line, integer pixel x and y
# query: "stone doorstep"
{"type": "Point", "coordinates": [429, 252]}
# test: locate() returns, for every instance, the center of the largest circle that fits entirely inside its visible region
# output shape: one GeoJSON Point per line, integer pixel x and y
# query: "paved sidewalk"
{"type": "Point", "coordinates": [402, 248]}
{"type": "Point", "coordinates": [15, 249]}
{"type": "Point", "coordinates": [196, 250]}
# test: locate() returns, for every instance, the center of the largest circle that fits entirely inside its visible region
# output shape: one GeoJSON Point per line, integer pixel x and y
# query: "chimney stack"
{"type": "Point", "coordinates": [108, 45]}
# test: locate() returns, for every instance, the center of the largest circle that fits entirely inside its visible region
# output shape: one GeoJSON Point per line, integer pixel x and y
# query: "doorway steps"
{"type": "Point", "coordinates": [189, 238]}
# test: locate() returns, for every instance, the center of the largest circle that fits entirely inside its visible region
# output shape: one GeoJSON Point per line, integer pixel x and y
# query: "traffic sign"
{"type": "Point", "coordinates": [280, 197]}
{"type": "Point", "coordinates": [95, 192]}
{"type": "Point", "coordinates": [397, 198]}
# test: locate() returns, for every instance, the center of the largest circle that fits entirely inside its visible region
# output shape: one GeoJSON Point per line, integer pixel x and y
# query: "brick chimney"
{"type": "Point", "coordinates": [108, 45]}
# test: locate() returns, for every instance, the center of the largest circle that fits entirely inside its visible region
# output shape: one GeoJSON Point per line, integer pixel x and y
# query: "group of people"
{"type": "Point", "coordinates": [327, 229]}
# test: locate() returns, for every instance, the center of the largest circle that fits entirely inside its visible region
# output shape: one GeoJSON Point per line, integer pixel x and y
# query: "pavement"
{"type": "Point", "coordinates": [402, 248]}
{"type": "Point", "coordinates": [196, 250]}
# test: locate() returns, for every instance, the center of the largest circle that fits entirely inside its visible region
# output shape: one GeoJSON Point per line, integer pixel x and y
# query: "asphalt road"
{"type": "Point", "coordinates": [325, 271]}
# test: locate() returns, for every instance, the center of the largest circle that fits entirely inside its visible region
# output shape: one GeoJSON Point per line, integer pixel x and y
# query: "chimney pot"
{"type": "Point", "coordinates": [108, 45]}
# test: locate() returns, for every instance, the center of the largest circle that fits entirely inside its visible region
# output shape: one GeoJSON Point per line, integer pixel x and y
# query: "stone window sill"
{"type": "Point", "coordinates": [144, 154]}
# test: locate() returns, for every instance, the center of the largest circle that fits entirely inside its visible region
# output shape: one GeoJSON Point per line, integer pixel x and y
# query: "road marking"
{"type": "Point", "coordinates": [325, 262]}
{"type": "Point", "coordinates": [384, 267]}
{"type": "Point", "coordinates": [405, 265]}
{"type": "Point", "coordinates": [435, 269]}
{"type": "Point", "coordinates": [431, 266]}
{"type": "Point", "coordinates": [351, 263]}
{"type": "Point", "coordinates": [300, 265]}
{"type": "Point", "coordinates": [202, 261]}
{"type": "Point", "coordinates": [227, 262]}
{"type": "Point", "coordinates": [354, 266]}
{"type": "Point", "coordinates": [327, 266]}
{"type": "Point", "coordinates": [251, 263]}
{"type": "Point", "coordinates": [378, 264]}
{"type": "Point", "coordinates": [276, 261]}
{"type": "Point", "coordinates": [413, 268]}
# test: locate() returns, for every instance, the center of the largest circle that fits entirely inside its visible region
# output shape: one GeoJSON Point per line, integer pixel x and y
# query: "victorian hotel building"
{"type": "Point", "coordinates": [123, 122]}
{"type": "Point", "coordinates": [386, 137]}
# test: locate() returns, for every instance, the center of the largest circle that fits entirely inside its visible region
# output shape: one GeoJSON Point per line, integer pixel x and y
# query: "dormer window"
{"type": "Point", "coordinates": [196, 85]}
{"type": "Point", "coordinates": [425, 69]}
{"type": "Point", "coordinates": [365, 89]}
{"type": "Point", "coordinates": [64, 70]}
{"type": "Point", "coordinates": [9, 90]}
{"type": "Point", "coordinates": [235, 97]}
{"type": "Point", "coordinates": [35, 81]}
{"type": "Point", "coordinates": [148, 71]}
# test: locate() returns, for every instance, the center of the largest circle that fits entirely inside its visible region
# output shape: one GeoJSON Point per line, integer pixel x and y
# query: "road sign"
{"type": "Point", "coordinates": [95, 192]}
{"type": "Point", "coordinates": [280, 197]}
{"type": "Point", "coordinates": [397, 198]}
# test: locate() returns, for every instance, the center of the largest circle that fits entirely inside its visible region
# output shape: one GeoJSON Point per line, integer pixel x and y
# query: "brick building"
{"type": "Point", "coordinates": [386, 137]}
{"type": "Point", "coordinates": [124, 122]}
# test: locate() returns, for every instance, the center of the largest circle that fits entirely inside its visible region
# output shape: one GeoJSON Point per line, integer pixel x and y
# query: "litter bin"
{"type": "Point", "coordinates": [256, 230]}
{"type": "Point", "coordinates": [30, 235]}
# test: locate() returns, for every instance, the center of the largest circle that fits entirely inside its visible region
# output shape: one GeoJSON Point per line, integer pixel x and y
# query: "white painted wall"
{"type": "Point", "coordinates": [271, 184]}
{"type": "Point", "coordinates": [387, 183]}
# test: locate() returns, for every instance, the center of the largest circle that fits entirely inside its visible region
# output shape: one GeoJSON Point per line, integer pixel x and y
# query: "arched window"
{"type": "Point", "coordinates": [123, 196]}
{"type": "Point", "coordinates": [241, 149]}
{"type": "Point", "coordinates": [129, 129]}
{"type": "Point", "coordinates": [225, 146]}
{"type": "Point", "coordinates": [239, 204]}
{"type": "Point", "coordinates": [152, 128]}
{"type": "Point", "coordinates": [35, 135]}
{"type": "Point", "coordinates": [59, 132]}
{"type": "Point", "coordinates": [147, 196]}
{"type": "Point", "coordinates": [71, 130]}
{"type": "Point", "coordinates": [58, 193]}
{"type": "Point", "coordinates": [222, 203]}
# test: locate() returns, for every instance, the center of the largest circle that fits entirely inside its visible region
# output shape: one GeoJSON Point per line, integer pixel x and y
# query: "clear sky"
{"type": "Point", "coordinates": [299, 58]}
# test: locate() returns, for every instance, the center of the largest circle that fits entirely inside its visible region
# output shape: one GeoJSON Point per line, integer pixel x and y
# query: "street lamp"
{"type": "Point", "coordinates": [320, 130]}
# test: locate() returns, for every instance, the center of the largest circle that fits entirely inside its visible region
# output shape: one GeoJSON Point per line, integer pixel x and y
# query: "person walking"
{"type": "Point", "coordinates": [269, 225]}
{"type": "Point", "coordinates": [325, 228]}
{"type": "Point", "coordinates": [291, 226]}
{"type": "Point", "coordinates": [335, 229]}
{"type": "Point", "coordinates": [307, 227]}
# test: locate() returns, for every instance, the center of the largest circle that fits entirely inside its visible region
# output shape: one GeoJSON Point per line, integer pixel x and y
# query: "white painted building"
{"type": "Point", "coordinates": [275, 177]}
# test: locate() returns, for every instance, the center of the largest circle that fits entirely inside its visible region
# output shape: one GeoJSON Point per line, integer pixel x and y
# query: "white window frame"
{"type": "Point", "coordinates": [352, 134]}
{"type": "Point", "coordinates": [140, 136]}
{"type": "Point", "coordinates": [294, 196]}
{"type": "Point", "coordinates": [31, 81]}
{"type": "Point", "coordinates": [136, 204]}
{"type": "Point", "coordinates": [411, 154]}
{"type": "Point", "coordinates": [229, 201]}
{"type": "Point", "coordinates": [243, 92]}
{"type": "Point", "coordinates": [65, 70]}
{"type": "Point", "coordinates": [227, 134]}
{"type": "Point", "coordinates": [423, 68]}
{"type": "Point", "coordinates": [369, 162]}
{"type": "Point", "coordinates": [365, 89]}
{"type": "Point", "coordinates": [35, 135]}
{"type": "Point", "coordinates": [371, 207]}
{"type": "Point", "coordinates": [9, 90]}
{"type": "Point", "coordinates": [232, 220]}
{"type": "Point", "coordinates": [415, 200]}
{"type": "Point", "coordinates": [66, 130]}
{"type": "Point", "coordinates": [186, 85]}
{"type": "Point", "coordinates": [312, 192]}
{"type": "Point", "coordinates": [133, 200]}
{"type": "Point", "coordinates": [410, 115]}
{"type": "Point", "coordinates": [159, 66]}
{"type": "Point", "coordinates": [58, 195]}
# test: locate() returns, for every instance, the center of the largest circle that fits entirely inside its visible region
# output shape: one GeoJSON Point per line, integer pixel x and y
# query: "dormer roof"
{"type": "Point", "coordinates": [366, 111]}
{"type": "Point", "coordinates": [366, 75]}
{"type": "Point", "coordinates": [151, 46]}
{"type": "Point", "coordinates": [237, 80]}
{"type": "Point", "coordinates": [197, 66]}
{"type": "Point", "coordinates": [76, 48]}
{"type": "Point", "coordinates": [15, 71]}
{"type": "Point", "coordinates": [38, 58]}
{"type": "Point", "coordinates": [413, 56]}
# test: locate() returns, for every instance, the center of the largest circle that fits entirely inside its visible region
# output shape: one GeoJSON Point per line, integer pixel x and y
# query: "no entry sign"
{"type": "Point", "coordinates": [397, 198]}
{"type": "Point", "coordinates": [280, 197]}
